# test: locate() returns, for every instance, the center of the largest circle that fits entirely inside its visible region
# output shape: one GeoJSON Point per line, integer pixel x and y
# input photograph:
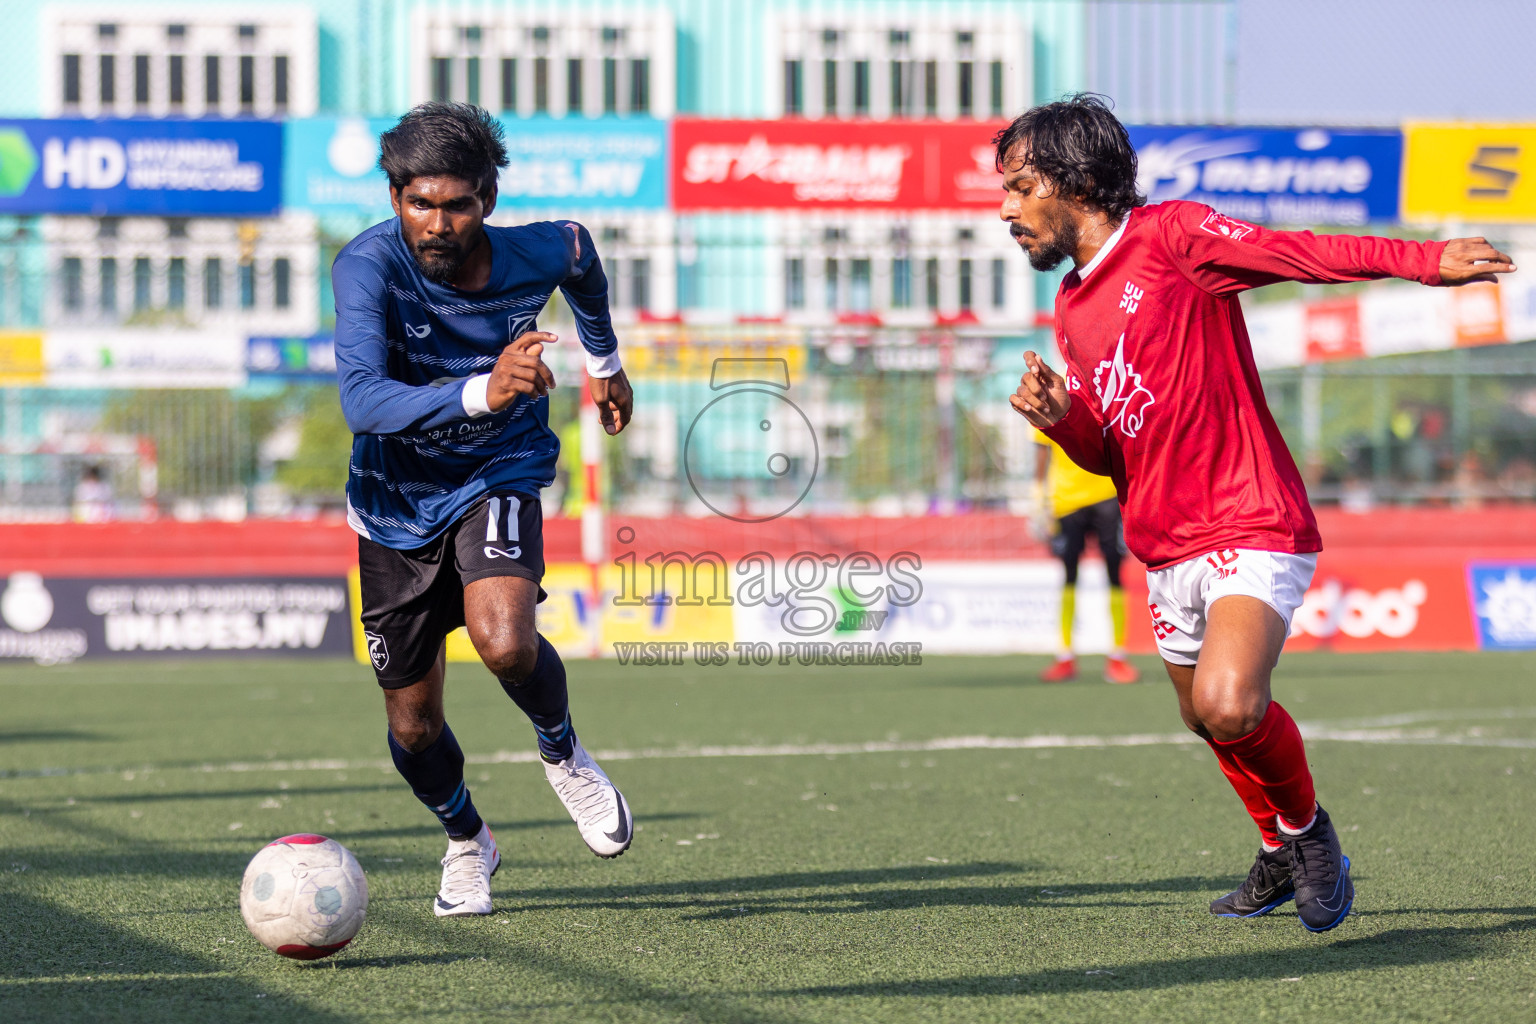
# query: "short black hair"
{"type": "Point", "coordinates": [1080, 147]}
{"type": "Point", "coordinates": [456, 139]}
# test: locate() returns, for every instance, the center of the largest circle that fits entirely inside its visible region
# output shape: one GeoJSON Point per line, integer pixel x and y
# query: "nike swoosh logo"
{"type": "Point", "coordinates": [419, 332]}
{"type": "Point", "coordinates": [445, 905]}
{"type": "Point", "coordinates": [621, 834]}
{"type": "Point", "coordinates": [1338, 891]}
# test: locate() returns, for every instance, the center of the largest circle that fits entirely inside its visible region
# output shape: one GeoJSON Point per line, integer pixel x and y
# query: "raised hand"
{"type": "Point", "coordinates": [1466, 260]}
{"type": "Point", "coordinates": [615, 401]}
{"type": "Point", "coordinates": [1042, 397]}
{"type": "Point", "coordinates": [519, 370]}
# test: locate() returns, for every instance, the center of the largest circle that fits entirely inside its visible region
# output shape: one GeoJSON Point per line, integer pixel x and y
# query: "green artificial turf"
{"type": "Point", "coordinates": [1061, 882]}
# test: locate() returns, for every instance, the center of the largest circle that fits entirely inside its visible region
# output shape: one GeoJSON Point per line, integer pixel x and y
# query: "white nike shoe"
{"type": "Point", "coordinates": [467, 871]}
{"type": "Point", "coordinates": [597, 807]}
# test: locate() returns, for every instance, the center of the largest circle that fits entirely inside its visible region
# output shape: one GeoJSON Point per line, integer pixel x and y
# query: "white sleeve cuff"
{"type": "Point", "coordinates": [476, 404]}
{"type": "Point", "coordinates": [603, 366]}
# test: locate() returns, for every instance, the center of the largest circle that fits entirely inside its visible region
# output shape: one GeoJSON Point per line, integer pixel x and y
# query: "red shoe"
{"type": "Point", "coordinates": [1061, 672]}
{"type": "Point", "coordinates": [1118, 670]}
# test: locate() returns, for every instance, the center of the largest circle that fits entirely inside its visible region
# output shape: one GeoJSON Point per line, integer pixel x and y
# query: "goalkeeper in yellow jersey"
{"type": "Point", "coordinates": [1082, 503]}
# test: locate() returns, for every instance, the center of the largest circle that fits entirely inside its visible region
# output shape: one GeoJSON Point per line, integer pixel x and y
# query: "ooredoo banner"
{"type": "Point", "coordinates": [776, 165]}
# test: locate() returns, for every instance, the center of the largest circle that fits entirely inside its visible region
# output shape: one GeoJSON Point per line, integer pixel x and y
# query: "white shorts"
{"type": "Point", "coordinates": [1179, 595]}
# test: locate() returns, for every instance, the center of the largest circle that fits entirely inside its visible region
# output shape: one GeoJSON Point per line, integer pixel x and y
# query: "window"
{"type": "Point", "coordinates": [141, 79]}
{"type": "Point", "coordinates": [540, 85]}
{"type": "Point", "coordinates": [108, 277]}
{"type": "Point", "coordinates": [247, 81]}
{"type": "Point", "coordinates": [931, 88]}
{"type": "Point", "coordinates": [997, 88]}
{"type": "Point", "coordinates": [861, 88]}
{"type": "Point", "coordinates": [610, 86]}
{"type": "Point", "coordinates": [640, 86]}
{"type": "Point", "coordinates": [177, 79]}
{"type": "Point", "coordinates": [831, 283]}
{"type": "Point", "coordinates": [999, 284]}
{"type": "Point", "coordinates": [509, 83]}
{"type": "Point", "coordinates": [106, 227]}
{"type": "Point", "coordinates": [176, 283]}
{"type": "Point", "coordinates": [72, 78]}
{"type": "Point", "coordinates": [280, 81]}
{"type": "Point", "coordinates": [442, 79]}
{"type": "Point", "coordinates": [211, 80]}
{"type": "Point", "coordinates": [829, 87]}
{"type": "Point", "coordinates": [247, 31]}
{"type": "Point", "coordinates": [282, 274]}
{"type": "Point", "coordinates": [176, 227]}
{"type": "Point", "coordinates": [213, 283]}
{"type": "Point", "coordinates": [794, 99]}
{"type": "Point", "coordinates": [141, 283]}
{"type": "Point", "coordinates": [931, 283]}
{"type": "Point", "coordinates": [964, 89]}
{"type": "Point", "coordinates": [965, 285]}
{"type": "Point", "coordinates": [794, 284]}
{"type": "Point", "coordinates": [472, 80]}
{"type": "Point", "coordinates": [73, 296]}
{"type": "Point", "coordinates": [640, 283]}
{"type": "Point", "coordinates": [858, 286]}
{"type": "Point", "coordinates": [573, 85]}
{"type": "Point", "coordinates": [902, 88]}
{"type": "Point", "coordinates": [901, 283]}
{"type": "Point", "coordinates": [247, 274]}
{"type": "Point", "coordinates": [108, 68]}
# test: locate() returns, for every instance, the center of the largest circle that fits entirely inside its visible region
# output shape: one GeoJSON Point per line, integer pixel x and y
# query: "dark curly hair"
{"type": "Point", "coordinates": [1080, 147]}
{"type": "Point", "coordinates": [455, 139]}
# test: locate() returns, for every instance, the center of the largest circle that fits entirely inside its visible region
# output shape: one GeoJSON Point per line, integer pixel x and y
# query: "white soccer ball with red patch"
{"type": "Point", "coordinates": [304, 896]}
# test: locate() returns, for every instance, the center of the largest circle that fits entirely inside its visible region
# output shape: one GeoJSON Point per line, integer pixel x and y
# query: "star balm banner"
{"type": "Point", "coordinates": [849, 165]}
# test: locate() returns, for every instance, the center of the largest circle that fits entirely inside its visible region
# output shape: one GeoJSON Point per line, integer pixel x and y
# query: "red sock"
{"type": "Point", "coordinates": [1252, 796]}
{"type": "Point", "coordinates": [1274, 759]}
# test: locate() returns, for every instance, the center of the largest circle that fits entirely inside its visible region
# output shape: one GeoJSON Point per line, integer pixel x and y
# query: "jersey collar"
{"type": "Point", "coordinates": [1098, 257]}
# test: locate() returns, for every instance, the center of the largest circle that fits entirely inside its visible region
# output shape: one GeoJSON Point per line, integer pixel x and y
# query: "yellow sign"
{"type": "Point", "coordinates": [1484, 173]}
{"type": "Point", "coordinates": [21, 358]}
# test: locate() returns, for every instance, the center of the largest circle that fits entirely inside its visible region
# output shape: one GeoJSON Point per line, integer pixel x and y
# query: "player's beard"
{"type": "Point", "coordinates": [1049, 251]}
{"type": "Point", "coordinates": [440, 260]}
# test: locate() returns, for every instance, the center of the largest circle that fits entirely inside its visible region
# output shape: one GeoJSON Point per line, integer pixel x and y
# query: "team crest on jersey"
{"type": "Point", "coordinates": [1220, 224]}
{"type": "Point", "coordinates": [377, 652]}
{"type": "Point", "coordinates": [1121, 396]}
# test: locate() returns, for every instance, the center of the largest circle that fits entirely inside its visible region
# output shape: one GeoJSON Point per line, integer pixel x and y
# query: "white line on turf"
{"type": "Point", "coordinates": [1316, 732]}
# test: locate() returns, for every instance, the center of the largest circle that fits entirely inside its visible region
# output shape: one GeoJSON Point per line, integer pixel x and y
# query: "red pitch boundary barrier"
{"type": "Point", "coordinates": [271, 547]}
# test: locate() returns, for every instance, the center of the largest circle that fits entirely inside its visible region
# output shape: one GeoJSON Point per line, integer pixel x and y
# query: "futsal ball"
{"type": "Point", "coordinates": [304, 896]}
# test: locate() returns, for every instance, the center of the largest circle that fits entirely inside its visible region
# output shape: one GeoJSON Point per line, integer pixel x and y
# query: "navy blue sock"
{"type": "Point", "coordinates": [436, 776]}
{"type": "Point", "coordinates": [543, 698]}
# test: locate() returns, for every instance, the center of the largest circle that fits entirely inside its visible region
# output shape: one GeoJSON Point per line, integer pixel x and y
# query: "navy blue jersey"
{"type": "Point", "coordinates": [405, 348]}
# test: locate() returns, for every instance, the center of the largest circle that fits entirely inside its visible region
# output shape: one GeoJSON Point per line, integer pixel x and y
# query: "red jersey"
{"type": "Point", "coordinates": [1166, 399]}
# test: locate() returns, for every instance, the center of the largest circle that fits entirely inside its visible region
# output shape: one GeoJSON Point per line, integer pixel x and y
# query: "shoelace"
{"type": "Point", "coordinates": [1302, 870]}
{"type": "Point", "coordinates": [585, 791]}
{"type": "Point", "coordinates": [1263, 875]}
{"type": "Point", "coordinates": [462, 871]}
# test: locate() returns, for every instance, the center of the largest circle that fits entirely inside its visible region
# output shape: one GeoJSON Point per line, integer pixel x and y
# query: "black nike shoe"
{"type": "Point", "coordinates": [1267, 886]}
{"type": "Point", "coordinates": [1320, 871]}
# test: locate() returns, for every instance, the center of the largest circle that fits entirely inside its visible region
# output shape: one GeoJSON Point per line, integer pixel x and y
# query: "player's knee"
{"type": "Point", "coordinates": [415, 732]}
{"type": "Point", "coordinates": [1229, 713]}
{"type": "Point", "coordinates": [510, 659]}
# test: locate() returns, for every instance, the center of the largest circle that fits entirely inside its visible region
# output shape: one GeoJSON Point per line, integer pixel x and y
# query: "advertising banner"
{"type": "Point", "coordinates": [1275, 175]}
{"type": "Point", "coordinates": [57, 620]}
{"type": "Point", "coordinates": [1483, 173]}
{"type": "Point", "coordinates": [21, 358]}
{"type": "Point", "coordinates": [889, 165]}
{"type": "Point", "coordinates": [1360, 602]}
{"type": "Point", "coordinates": [296, 360]}
{"type": "Point", "coordinates": [134, 166]}
{"type": "Point", "coordinates": [143, 358]}
{"type": "Point", "coordinates": [331, 165]}
{"type": "Point", "coordinates": [1503, 599]}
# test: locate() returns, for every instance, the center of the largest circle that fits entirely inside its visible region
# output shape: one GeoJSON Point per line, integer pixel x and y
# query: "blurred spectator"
{"type": "Point", "coordinates": [1469, 481]}
{"type": "Point", "coordinates": [1355, 495]}
{"type": "Point", "coordinates": [1518, 479]}
{"type": "Point", "coordinates": [94, 502]}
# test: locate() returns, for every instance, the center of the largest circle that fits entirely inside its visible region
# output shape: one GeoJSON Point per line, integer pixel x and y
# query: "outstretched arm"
{"type": "Point", "coordinates": [586, 289]}
{"type": "Point", "coordinates": [1226, 256]}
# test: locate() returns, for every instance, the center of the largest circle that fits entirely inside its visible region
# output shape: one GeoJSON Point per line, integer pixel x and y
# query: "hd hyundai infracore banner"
{"type": "Point", "coordinates": [108, 168]}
